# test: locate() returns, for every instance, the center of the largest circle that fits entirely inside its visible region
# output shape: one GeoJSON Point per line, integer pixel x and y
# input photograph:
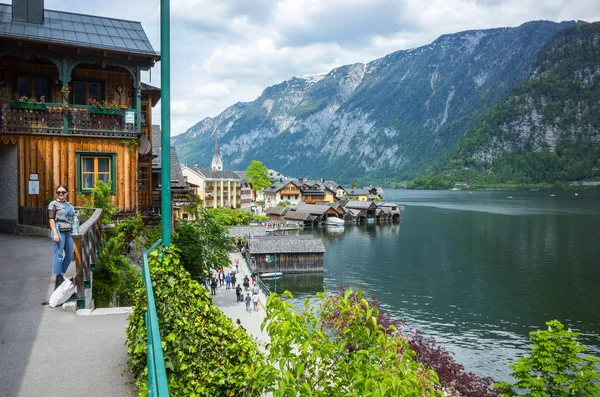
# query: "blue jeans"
{"type": "Point", "coordinates": [65, 244]}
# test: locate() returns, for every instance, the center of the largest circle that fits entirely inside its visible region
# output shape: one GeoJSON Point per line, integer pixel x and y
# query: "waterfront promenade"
{"type": "Point", "coordinates": [226, 301]}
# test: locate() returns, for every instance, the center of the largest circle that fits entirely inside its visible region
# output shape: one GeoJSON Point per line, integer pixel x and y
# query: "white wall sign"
{"type": "Point", "coordinates": [34, 187]}
{"type": "Point", "coordinates": [129, 117]}
{"type": "Point", "coordinates": [33, 177]}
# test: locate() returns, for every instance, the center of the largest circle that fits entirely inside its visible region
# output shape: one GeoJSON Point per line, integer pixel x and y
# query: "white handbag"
{"type": "Point", "coordinates": [62, 293]}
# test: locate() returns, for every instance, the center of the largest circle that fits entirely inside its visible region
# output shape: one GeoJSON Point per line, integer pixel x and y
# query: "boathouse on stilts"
{"type": "Point", "coordinates": [287, 254]}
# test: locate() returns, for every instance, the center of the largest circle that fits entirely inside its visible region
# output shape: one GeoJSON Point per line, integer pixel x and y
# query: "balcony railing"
{"type": "Point", "coordinates": [17, 118]}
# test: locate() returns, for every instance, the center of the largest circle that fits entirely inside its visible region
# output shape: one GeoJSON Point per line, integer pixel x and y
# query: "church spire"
{"type": "Point", "coordinates": [217, 163]}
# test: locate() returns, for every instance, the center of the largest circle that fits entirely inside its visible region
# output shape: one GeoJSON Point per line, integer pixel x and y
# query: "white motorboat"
{"type": "Point", "coordinates": [271, 275]}
{"type": "Point", "coordinates": [334, 221]}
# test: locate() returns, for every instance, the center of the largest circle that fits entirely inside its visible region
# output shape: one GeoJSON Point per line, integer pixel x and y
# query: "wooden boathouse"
{"type": "Point", "coordinates": [292, 254]}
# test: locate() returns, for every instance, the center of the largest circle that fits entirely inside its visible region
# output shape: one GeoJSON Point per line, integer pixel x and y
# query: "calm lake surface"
{"type": "Point", "coordinates": [475, 270]}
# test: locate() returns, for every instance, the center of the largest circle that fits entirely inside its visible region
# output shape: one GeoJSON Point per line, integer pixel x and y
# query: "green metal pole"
{"type": "Point", "coordinates": [165, 119]}
{"type": "Point", "coordinates": [275, 272]}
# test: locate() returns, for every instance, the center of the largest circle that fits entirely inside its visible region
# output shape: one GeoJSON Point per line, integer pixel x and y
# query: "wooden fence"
{"type": "Point", "coordinates": [87, 245]}
{"type": "Point", "coordinates": [33, 216]}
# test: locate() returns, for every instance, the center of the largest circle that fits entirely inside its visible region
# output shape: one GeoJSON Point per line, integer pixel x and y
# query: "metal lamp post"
{"type": "Point", "coordinates": [165, 118]}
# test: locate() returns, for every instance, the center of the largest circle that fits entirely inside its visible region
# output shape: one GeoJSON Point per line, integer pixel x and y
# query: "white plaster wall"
{"type": "Point", "coordinates": [8, 182]}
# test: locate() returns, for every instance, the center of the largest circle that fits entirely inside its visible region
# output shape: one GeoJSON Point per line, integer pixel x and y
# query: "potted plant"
{"type": "Point", "coordinates": [66, 90]}
{"type": "Point", "coordinates": [104, 107]}
{"type": "Point", "coordinates": [26, 103]}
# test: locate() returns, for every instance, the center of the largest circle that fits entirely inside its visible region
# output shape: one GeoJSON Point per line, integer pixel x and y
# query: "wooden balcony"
{"type": "Point", "coordinates": [48, 120]}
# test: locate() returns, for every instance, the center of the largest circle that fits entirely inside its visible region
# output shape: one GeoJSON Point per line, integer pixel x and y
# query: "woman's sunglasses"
{"type": "Point", "coordinates": [61, 192]}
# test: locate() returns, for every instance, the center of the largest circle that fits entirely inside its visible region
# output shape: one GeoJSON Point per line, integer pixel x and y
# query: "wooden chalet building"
{"type": "Point", "coordinates": [180, 189]}
{"type": "Point", "coordinates": [276, 213]}
{"type": "Point", "coordinates": [54, 66]}
{"type": "Point", "coordinates": [304, 218]}
{"type": "Point", "coordinates": [293, 254]}
{"type": "Point", "coordinates": [375, 192]}
{"type": "Point", "coordinates": [358, 194]}
{"type": "Point", "coordinates": [322, 211]}
{"type": "Point", "coordinates": [369, 208]}
{"type": "Point", "coordinates": [282, 191]}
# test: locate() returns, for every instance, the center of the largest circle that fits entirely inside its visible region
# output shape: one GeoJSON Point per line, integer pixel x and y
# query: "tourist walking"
{"type": "Point", "coordinates": [228, 281]}
{"type": "Point", "coordinates": [254, 290]}
{"type": "Point", "coordinates": [248, 300]}
{"type": "Point", "coordinates": [221, 277]}
{"type": "Point", "coordinates": [233, 279]}
{"type": "Point", "coordinates": [238, 324]}
{"type": "Point", "coordinates": [238, 293]}
{"type": "Point", "coordinates": [213, 286]}
{"type": "Point", "coordinates": [246, 283]}
{"type": "Point", "coordinates": [61, 215]}
{"type": "Point", "coordinates": [255, 301]}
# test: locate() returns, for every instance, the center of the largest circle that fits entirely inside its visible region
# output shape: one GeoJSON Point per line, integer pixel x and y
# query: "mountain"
{"type": "Point", "coordinates": [545, 130]}
{"type": "Point", "coordinates": [384, 121]}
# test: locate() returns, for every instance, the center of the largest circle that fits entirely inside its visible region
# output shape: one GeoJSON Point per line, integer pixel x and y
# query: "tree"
{"type": "Point", "coordinates": [555, 367]}
{"type": "Point", "coordinates": [364, 360]}
{"type": "Point", "coordinates": [353, 185]}
{"type": "Point", "coordinates": [258, 176]}
{"type": "Point", "coordinates": [204, 245]}
{"type": "Point", "coordinates": [230, 216]}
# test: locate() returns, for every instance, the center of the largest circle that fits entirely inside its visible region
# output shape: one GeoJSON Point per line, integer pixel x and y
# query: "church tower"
{"type": "Point", "coordinates": [217, 163]}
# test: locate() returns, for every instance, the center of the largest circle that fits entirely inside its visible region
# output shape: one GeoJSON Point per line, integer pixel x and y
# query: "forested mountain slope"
{"type": "Point", "coordinates": [384, 121]}
{"type": "Point", "coordinates": [546, 130]}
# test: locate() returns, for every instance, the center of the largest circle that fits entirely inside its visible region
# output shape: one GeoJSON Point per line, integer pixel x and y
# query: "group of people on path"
{"type": "Point", "coordinates": [221, 279]}
{"type": "Point", "coordinates": [229, 280]}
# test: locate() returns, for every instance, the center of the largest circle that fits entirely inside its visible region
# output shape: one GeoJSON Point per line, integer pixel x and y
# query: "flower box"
{"type": "Point", "coordinates": [105, 111]}
{"type": "Point", "coordinates": [28, 106]}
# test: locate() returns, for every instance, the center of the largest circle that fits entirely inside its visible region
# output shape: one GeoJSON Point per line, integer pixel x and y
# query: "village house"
{"type": "Point", "coordinates": [73, 109]}
{"type": "Point", "coordinates": [282, 191]}
{"type": "Point", "coordinates": [375, 192]}
{"type": "Point", "coordinates": [358, 194]}
{"type": "Point", "coordinates": [216, 188]}
{"type": "Point", "coordinates": [180, 189]}
{"type": "Point", "coordinates": [368, 208]}
{"type": "Point", "coordinates": [246, 191]}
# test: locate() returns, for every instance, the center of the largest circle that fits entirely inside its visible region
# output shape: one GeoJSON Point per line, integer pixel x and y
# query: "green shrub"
{"type": "Point", "coordinates": [100, 198]}
{"type": "Point", "coordinates": [114, 275]}
{"type": "Point", "coordinates": [230, 216]}
{"type": "Point", "coordinates": [555, 367]}
{"type": "Point", "coordinates": [205, 245]}
{"type": "Point", "coordinates": [205, 355]}
{"type": "Point", "coordinates": [362, 360]}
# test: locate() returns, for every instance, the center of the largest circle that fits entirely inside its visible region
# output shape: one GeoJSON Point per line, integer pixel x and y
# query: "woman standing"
{"type": "Point", "coordinates": [61, 214]}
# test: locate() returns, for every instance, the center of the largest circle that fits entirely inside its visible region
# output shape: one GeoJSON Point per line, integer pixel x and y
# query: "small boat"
{"type": "Point", "coordinates": [509, 197]}
{"type": "Point", "coordinates": [576, 194]}
{"type": "Point", "coordinates": [271, 275]}
{"type": "Point", "coordinates": [334, 221]}
{"type": "Point", "coordinates": [553, 195]}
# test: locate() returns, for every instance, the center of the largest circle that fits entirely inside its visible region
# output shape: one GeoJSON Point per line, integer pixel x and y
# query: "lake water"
{"type": "Point", "coordinates": [475, 270]}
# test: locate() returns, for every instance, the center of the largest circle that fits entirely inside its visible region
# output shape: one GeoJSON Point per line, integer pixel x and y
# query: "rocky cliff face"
{"type": "Point", "coordinates": [546, 130]}
{"type": "Point", "coordinates": [383, 121]}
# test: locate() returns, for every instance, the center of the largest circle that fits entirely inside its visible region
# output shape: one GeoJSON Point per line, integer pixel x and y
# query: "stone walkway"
{"type": "Point", "coordinates": [226, 301]}
{"type": "Point", "coordinates": [51, 352]}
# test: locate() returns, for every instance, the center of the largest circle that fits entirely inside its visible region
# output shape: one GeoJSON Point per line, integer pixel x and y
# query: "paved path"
{"type": "Point", "coordinates": [51, 352]}
{"type": "Point", "coordinates": [226, 301]}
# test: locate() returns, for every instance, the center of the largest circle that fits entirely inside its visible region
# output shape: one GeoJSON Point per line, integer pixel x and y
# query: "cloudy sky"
{"type": "Point", "coordinates": [225, 51]}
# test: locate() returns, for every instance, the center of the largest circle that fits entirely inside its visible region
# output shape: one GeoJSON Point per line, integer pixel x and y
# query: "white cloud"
{"type": "Point", "coordinates": [225, 51]}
